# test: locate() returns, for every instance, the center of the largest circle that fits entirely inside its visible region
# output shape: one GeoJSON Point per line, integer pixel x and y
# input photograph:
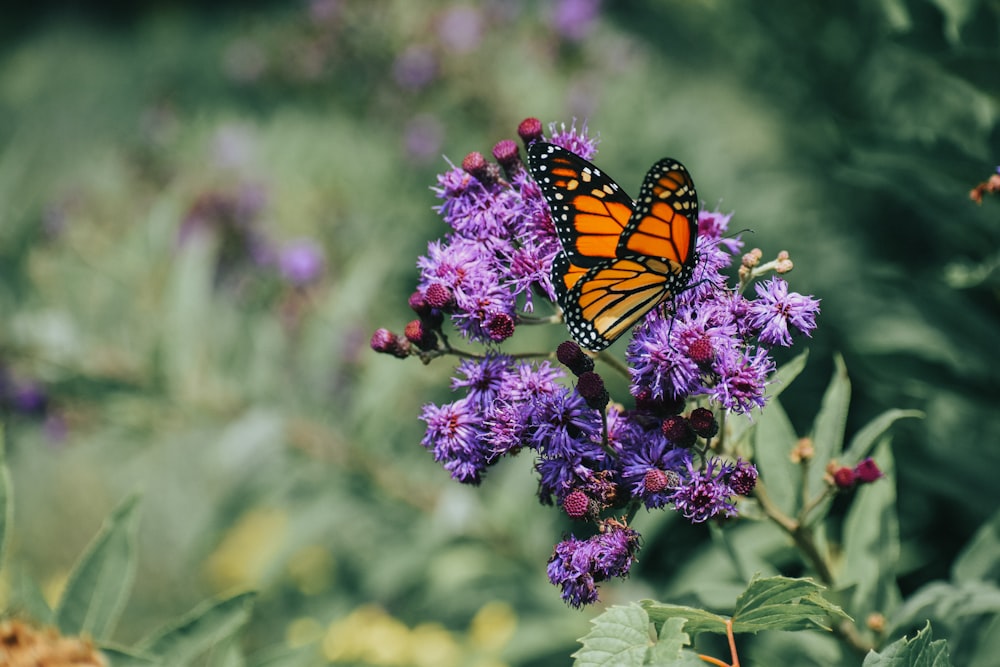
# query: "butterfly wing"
{"type": "Point", "coordinates": [665, 222]}
{"type": "Point", "coordinates": [603, 302]}
{"type": "Point", "coordinates": [619, 259]}
{"type": "Point", "coordinates": [589, 210]}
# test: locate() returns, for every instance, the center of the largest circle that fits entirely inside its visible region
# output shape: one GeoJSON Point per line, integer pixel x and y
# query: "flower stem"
{"type": "Point", "coordinates": [801, 534]}
{"type": "Point", "coordinates": [615, 363]}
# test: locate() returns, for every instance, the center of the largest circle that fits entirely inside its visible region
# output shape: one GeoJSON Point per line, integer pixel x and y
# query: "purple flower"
{"type": "Point", "coordinates": [660, 353]}
{"type": "Point", "coordinates": [577, 566]}
{"type": "Point", "coordinates": [743, 478]}
{"type": "Point", "coordinates": [703, 494]}
{"type": "Point", "coordinates": [653, 453]}
{"type": "Point", "coordinates": [453, 435]}
{"type": "Point", "coordinates": [569, 568]}
{"type": "Point", "coordinates": [301, 262]}
{"type": "Point", "coordinates": [506, 426]}
{"type": "Point", "coordinates": [776, 308]}
{"type": "Point", "coordinates": [25, 396]}
{"type": "Point", "coordinates": [528, 383]}
{"type": "Point", "coordinates": [512, 415]}
{"type": "Point", "coordinates": [482, 377]}
{"type": "Point", "coordinates": [742, 376]}
{"type": "Point", "coordinates": [573, 140]}
{"type": "Point", "coordinates": [574, 19]}
{"type": "Point", "coordinates": [461, 29]}
{"type": "Point", "coordinates": [565, 427]}
{"type": "Point", "coordinates": [415, 68]}
{"type": "Point", "coordinates": [614, 551]}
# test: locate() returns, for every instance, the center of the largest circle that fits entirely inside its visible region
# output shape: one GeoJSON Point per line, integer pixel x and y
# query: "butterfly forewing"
{"type": "Point", "coordinates": [665, 221]}
{"type": "Point", "coordinates": [589, 210]}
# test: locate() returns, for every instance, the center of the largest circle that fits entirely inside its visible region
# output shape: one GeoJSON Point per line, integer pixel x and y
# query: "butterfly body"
{"type": "Point", "coordinates": [619, 258]}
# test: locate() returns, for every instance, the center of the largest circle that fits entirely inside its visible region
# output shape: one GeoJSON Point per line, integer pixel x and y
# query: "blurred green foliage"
{"type": "Point", "coordinates": [274, 452]}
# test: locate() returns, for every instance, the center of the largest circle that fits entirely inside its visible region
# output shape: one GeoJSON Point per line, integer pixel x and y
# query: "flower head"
{"type": "Point", "coordinates": [454, 436]}
{"type": "Point", "coordinates": [301, 262]}
{"type": "Point", "coordinates": [775, 309]}
{"type": "Point", "coordinates": [577, 566]}
{"type": "Point", "coordinates": [704, 493]}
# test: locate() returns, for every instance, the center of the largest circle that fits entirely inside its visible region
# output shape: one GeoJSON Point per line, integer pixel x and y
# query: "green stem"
{"type": "Point", "coordinates": [801, 534]}
{"type": "Point", "coordinates": [614, 363]}
{"type": "Point", "coordinates": [530, 319]}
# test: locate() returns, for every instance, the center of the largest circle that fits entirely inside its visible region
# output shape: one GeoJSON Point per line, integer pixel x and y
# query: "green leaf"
{"type": "Point", "coordinates": [784, 376]}
{"type": "Point", "coordinates": [698, 620]}
{"type": "Point", "coordinates": [6, 499]}
{"type": "Point", "coordinates": [782, 603]}
{"type": "Point", "coordinates": [100, 583]}
{"type": "Point", "coordinates": [186, 309]}
{"type": "Point", "coordinates": [226, 653]}
{"type": "Point", "coordinates": [920, 651]}
{"type": "Point", "coordinates": [26, 597]}
{"type": "Point", "coordinates": [125, 657]}
{"type": "Point", "coordinates": [283, 656]}
{"type": "Point", "coordinates": [950, 603]}
{"type": "Point", "coordinates": [774, 439]}
{"type": "Point", "coordinates": [871, 543]}
{"type": "Point", "coordinates": [620, 636]}
{"type": "Point", "coordinates": [978, 561]}
{"type": "Point", "coordinates": [864, 440]}
{"type": "Point", "coordinates": [828, 429]}
{"type": "Point", "coordinates": [207, 626]}
{"type": "Point", "coordinates": [772, 603]}
{"type": "Point", "coordinates": [669, 648]}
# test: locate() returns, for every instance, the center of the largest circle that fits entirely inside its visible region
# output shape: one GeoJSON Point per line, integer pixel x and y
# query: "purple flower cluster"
{"type": "Point", "coordinates": [716, 342]}
{"type": "Point", "coordinates": [501, 244]}
{"type": "Point", "coordinates": [576, 566]}
{"type": "Point", "coordinates": [593, 457]}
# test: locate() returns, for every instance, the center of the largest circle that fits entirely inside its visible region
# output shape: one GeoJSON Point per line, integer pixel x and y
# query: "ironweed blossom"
{"type": "Point", "coordinates": [703, 353]}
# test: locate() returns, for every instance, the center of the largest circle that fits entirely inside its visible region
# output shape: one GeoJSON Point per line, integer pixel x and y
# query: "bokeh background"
{"type": "Point", "coordinates": [205, 212]}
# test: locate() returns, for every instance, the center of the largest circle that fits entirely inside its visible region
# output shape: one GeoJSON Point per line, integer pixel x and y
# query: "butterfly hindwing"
{"type": "Point", "coordinates": [604, 301]}
{"type": "Point", "coordinates": [619, 259]}
{"type": "Point", "coordinates": [589, 210]}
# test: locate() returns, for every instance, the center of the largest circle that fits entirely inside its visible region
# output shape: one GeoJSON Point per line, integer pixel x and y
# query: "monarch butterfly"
{"type": "Point", "coordinates": [619, 258]}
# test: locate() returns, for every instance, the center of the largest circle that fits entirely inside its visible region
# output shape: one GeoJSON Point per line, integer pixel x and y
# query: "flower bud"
{"type": "Point", "coordinates": [867, 471]}
{"type": "Point", "coordinates": [476, 166]}
{"type": "Point", "coordinates": [703, 422]}
{"type": "Point", "coordinates": [439, 296]}
{"type": "Point", "coordinates": [678, 431]}
{"type": "Point", "coordinates": [386, 342]}
{"type": "Point", "coordinates": [844, 477]}
{"type": "Point", "coordinates": [701, 351]}
{"type": "Point", "coordinates": [506, 153]}
{"type": "Point", "coordinates": [418, 303]}
{"type": "Point", "coordinates": [529, 130]}
{"type": "Point", "coordinates": [418, 333]}
{"type": "Point", "coordinates": [591, 388]}
{"type": "Point", "coordinates": [655, 480]}
{"type": "Point", "coordinates": [743, 478]}
{"type": "Point", "coordinates": [576, 504]}
{"type": "Point", "coordinates": [500, 327]}
{"type": "Point", "coordinates": [574, 358]}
